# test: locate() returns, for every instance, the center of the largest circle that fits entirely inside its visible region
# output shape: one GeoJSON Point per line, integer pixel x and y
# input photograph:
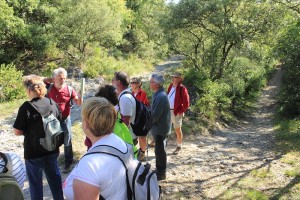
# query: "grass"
{"type": "Point", "coordinates": [261, 173]}
{"type": "Point", "coordinates": [256, 195]}
{"type": "Point", "coordinates": [288, 134]}
{"type": "Point", "coordinates": [8, 108]}
{"type": "Point", "coordinates": [245, 194]}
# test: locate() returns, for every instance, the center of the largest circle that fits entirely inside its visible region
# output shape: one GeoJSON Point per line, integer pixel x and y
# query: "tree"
{"type": "Point", "coordinates": [25, 29]}
{"type": "Point", "coordinates": [212, 33]}
{"type": "Point", "coordinates": [144, 33]}
{"type": "Point", "coordinates": [288, 51]}
{"type": "Point", "coordinates": [82, 22]}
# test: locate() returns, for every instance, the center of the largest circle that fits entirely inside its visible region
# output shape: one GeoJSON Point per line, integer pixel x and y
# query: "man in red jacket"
{"type": "Point", "coordinates": [179, 102]}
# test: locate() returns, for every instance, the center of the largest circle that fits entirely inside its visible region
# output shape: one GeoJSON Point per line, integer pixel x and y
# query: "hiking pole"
{"type": "Point", "coordinates": [147, 147]}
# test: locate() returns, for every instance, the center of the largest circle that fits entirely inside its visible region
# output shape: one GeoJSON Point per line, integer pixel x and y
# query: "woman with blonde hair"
{"type": "Point", "coordinates": [29, 124]}
{"type": "Point", "coordinates": [98, 174]}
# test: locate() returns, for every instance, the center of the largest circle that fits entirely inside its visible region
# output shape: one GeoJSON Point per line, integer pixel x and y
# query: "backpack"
{"type": "Point", "coordinates": [143, 121]}
{"type": "Point", "coordinates": [141, 182]}
{"type": "Point", "coordinates": [54, 135]}
{"type": "Point", "coordinates": [9, 188]}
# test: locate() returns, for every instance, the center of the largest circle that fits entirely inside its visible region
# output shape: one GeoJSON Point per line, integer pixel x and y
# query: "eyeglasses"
{"type": "Point", "coordinates": [133, 82]}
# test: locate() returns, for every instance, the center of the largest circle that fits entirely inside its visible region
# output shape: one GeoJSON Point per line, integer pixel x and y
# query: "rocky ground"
{"type": "Point", "coordinates": [210, 166]}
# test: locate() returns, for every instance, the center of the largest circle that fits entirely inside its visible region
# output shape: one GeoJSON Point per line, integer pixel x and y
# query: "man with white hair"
{"type": "Point", "coordinates": [62, 94]}
{"type": "Point", "coordinates": [161, 123]}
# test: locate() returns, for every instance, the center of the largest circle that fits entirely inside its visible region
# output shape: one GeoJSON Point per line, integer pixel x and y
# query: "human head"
{"type": "Point", "coordinates": [98, 116]}
{"type": "Point", "coordinates": [156, 82]}
{"type": "Point", "coordinates": [59, 76]}
{"type": "Point", "coordinates": [35, 84]}
{"type": "Point", "coordinates": [108, 92]}
{"type": "Point", "coordinates": [136, 83]}
{"type": "Point", "coordinates": [121, 79]}
{"type": "Point", "coordinates": [176, 78]}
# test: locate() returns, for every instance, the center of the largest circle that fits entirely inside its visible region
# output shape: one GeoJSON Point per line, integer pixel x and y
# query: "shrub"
{"type": "Point", "coordinates": [11, 86]}
{"type": "Point", "coordinates": [288, 51]}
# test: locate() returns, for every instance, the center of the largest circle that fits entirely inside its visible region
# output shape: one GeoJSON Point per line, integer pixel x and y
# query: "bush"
{"type": "Point", "coordinates": [11, 86]}
{"type": "Point", "coordinates": [99, 63]}
{"type": "Point", "coordinates": [288, 51]}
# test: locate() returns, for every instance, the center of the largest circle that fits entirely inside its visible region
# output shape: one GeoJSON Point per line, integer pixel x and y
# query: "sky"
{"type": "Point", "coordinates": [174, 1]}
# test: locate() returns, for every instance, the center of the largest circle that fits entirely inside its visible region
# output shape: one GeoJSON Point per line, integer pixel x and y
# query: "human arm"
{"type": "Point", "coordinates": [126, 119]}
{"type": "Point", "coordinates": [126, 108]}
{"type": "Point", "coordinates": [158, 107]}
{"type": "Point", "coordinates": [78, 100]}
{"type": "Point", "coordinates": [83, 190]}
{"type": "Point", "coordinates": [48, 79]}
{"type": "Point", "coordinates": [20, 122]}
{"type": "Point", "coordinates": [185, 99]}
{"type": "Point", "coordinates": [18, 132]}
{"type": "Point", "coordinates": [144, 98]}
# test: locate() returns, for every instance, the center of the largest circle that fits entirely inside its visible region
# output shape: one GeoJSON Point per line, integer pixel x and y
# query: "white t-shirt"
{"type": "Point", "coordinates": [127, 105]}
{"type": "Point", "coordinates": [101, 170]}
{"type": "Point", "coordinates": [171, 97]}
{"type": "Point", "coordinates": [18, 168]}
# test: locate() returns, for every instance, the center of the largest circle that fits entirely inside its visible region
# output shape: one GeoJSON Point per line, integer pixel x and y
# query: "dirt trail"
{"type": "Point", "coordinates": [208, 165]}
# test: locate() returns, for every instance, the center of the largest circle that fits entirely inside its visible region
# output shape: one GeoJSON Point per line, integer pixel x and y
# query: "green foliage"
{"type": "Point", "coordinates": [144, 35]}
{"type": "Point", "coordinates": [82, 22]}
{"type": "Point", "coordinates": [213, 33]}
{"type": "Point", "coordinates": [11, 83]}
{"type": "Point", "coordinates": [261, 173]}
{"type": "Point", "coordinates": [288, 134]}
{"type": "Point", "coordinates": [256, 195]}
{"type": "Point", "coordinates": [241, 84]}
{"type": "Point", "coordinates": [100, 64]}
{"type": "Point", "coordinates": [288, 50]}
{"type": "Point", "coordinates": [293, 172]}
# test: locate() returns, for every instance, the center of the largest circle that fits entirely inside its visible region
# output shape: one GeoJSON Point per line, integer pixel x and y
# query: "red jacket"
{"type": "Point", "coordinates": [182, 99]}
{"type": "Point", "coordinates": [142, 97]}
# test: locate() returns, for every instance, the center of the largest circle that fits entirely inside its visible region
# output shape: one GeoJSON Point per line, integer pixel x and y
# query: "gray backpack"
{"type": "Point", "coordinates": [54, 135]}
{"type": "Point", "coordinates": [141, 181]}
{"type": "Point", "coordinates": [9, 188]}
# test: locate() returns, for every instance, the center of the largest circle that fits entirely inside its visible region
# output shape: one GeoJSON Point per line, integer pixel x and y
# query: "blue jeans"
{"type": "Point", "coordinates": [66, 126]}
{"type": "Point", "coordinates": [34, 170]}
{"type": "Point", "coordinates": [160, 154]}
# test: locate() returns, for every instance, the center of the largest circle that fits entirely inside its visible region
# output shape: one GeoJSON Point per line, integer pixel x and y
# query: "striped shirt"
{"type": "Point", "coordinates": [18, 169]}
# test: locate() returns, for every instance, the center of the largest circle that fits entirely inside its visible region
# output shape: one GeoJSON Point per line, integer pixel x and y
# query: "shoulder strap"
{"type": "Point", "coordinates": [49, 88]}
{"type": "Point", "coordinates": [35, 107]}
{"type": "Point", "coordinates": [106, 149]}
{"type": "Point", "coordinates": [124, 157]}
{"type": "Point", "coordinates": [70, 91]}
{"type": "Point", "coordinates": [126, 92]}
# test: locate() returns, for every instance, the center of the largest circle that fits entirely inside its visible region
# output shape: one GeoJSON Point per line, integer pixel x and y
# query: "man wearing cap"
{"type": "Point", "coordinates": [179, 102]}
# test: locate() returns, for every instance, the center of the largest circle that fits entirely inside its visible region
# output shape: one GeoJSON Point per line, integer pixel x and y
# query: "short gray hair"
{"type": "Point", "coordinates": [59, 71]}
{"type": "Point", "coordinates": [158, 78]}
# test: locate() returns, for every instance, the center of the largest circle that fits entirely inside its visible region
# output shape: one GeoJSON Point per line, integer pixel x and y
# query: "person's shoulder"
{"type": "Point", "coordinates": [126, 94]}
{"type": "Point", "coordinates": [25, 105]}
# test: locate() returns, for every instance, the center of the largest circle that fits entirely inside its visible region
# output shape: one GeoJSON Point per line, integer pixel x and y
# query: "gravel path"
{"type": "Point", "coordinates": [209, 164]}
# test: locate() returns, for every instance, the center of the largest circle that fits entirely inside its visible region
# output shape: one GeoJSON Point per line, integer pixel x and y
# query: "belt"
{"type": "Point", "coordinates": [171, 109]}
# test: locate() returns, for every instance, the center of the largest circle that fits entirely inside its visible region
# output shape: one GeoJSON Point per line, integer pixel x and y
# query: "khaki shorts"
{"type": "Point", "coordinates": [176, 120]}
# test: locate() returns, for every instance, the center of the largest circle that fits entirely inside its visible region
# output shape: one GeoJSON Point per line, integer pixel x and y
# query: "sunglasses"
{"type": "Point", "coordinates": [133, 82]}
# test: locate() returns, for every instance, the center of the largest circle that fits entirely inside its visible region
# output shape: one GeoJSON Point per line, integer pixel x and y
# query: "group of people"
{"type": "Point", "coordinates": [102, 116]}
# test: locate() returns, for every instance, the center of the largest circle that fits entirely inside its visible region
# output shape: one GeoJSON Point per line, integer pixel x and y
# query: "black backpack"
{"type": "Point", "coordinates": [9, 188]}
{"type": "Point", "coordinates": [143, 121]}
